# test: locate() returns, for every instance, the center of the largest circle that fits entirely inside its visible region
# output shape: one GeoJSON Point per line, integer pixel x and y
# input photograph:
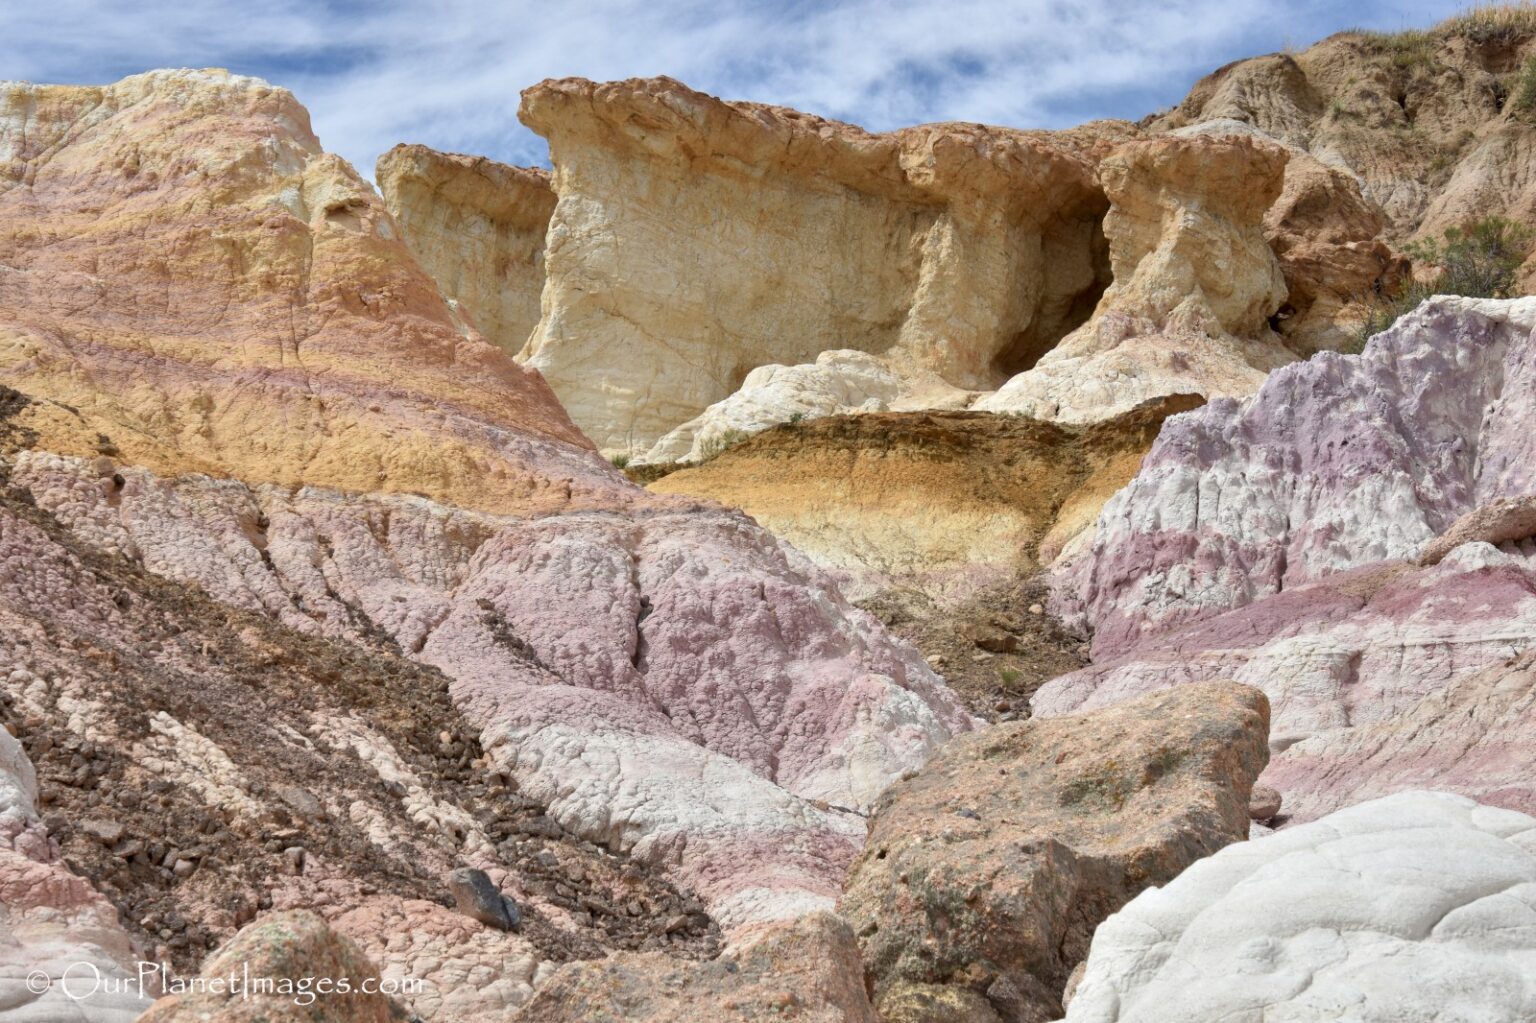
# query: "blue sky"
{"type": "Point", "coordinates": [448, 73]}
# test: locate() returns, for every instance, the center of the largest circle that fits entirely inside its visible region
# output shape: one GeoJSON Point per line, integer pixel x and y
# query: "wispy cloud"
{"type": "Point", "coordinates": [448, 73]}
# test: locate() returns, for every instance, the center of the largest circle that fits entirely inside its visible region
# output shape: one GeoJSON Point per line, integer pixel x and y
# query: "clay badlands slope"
{"type": "Point", "coordinates": [230, 372]}
{"type": "Point", "coordinates": [312, 593]}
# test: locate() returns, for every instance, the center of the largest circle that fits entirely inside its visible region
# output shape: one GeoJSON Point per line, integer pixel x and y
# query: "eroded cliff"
{"type": "Point", "coordinates": [478, 228]}
{"type": "Point", "coordinates": [697, 239]}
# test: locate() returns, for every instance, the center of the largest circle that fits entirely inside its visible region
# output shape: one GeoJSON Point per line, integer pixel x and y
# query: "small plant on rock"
{"type": "Point", "coordinates": [1524, 101]}
{"type": "Point", "coordinates": [1481, 259]}
{"type": "Point", "coordinates": [714, 446]}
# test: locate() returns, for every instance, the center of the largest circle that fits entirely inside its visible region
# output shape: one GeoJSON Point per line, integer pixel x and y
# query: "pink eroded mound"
{"type": "Point", "coordinates": [676, 684]}
{"type": "Point", "coordinates": [1337, 462]}
{"type": "Point", "coordinates": [1271, 542]}
{"type": "Point", "coordinates": [1383, 678]}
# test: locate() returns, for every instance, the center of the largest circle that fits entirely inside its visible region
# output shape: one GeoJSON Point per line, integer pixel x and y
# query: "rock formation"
{"type": "Point", "coordinates": [306, 964]}
{"type": "Point", "coordinates": [696, 240]}
{"type": "Point", "coordinates": [1375, 675]}
{"type": "Point", "coordinates": [477, 226]}
{"type": "Point", "coordinates": [805, 970]}
{"type": "Point", "coordinates": [985, 874]}
{"type": "Point", "coordinates": [1435, 124]}
{"type": "Point", "coordinates": [1340, 462]}
{"type": "Point", "coordinates": [1273, 542]}
{"type": "Point", "coordinates": [188, 270]}
{"type": "Point", "coordinates": [1417, 906]}
{"type": "Point", "coordinates": [265, 398]}
{"type": "Point", "coordinates": [951, 503]}
{"type": "Point", "coordinates": [564, 637]}
{"type": "Point", "coordinates": [1195, 283]}
{"type": "Point", "coordinates": [331, 645]}
{"type": "Point", "coordinates": [201, 764]}
{"type": "Point", "coordinates": [958, 255]}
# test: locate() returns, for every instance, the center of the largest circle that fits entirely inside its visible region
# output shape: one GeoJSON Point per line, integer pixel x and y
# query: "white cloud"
{"type": "Point", "coordinates": [448, 73]}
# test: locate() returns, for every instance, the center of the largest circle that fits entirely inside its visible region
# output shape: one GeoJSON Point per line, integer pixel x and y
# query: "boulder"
{"type": "Point", "coordinates": [986, 873]}
{"type": "Point", "coordinates": [283, 968]}
{"type": "Point", "coordinates": [1265, 802]}
{"type": "Point", "coordinates": [807, 969]}
{"type": "Point", "coordinates": [1416, 906]}
{"type": "Point", "coordinates": [477, 897]}
{"type": "Point", "coordinates": [1505, 520]}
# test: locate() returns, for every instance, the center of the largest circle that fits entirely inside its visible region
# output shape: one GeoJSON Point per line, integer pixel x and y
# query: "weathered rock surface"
{"type": "Point", "coordinates": [189, 270]}
{"type": "Point", "coordinates": [838, 382]}
{"type": "Point", "coordinates": [947, 502]}
{"type": "Point", "coordinates": [1336, 463]}
{"type": "Point", "coordinates": [1382, 678]}
{"type": "Point", "coordinates": [1416, 906]}
{"type": "Point", "coordinates": [306, 964]}
{"type": "Point", "coordinates": [668, 682]}
{"type": "Point", "coordinates": [695, 240]}
{"type": "Point", "coordinates": [57, 932]}
{"type": "Point", "coordinates": [808, 969]}
{"type": "Point", "coordinates": [1194, 284]}
{"type": "Point", "coordinates": [1429, 121]}
{"type": "Point", "coordinates": [477, 226]}
{"type": "Point", "coordinates": [564, 637]}
{"type": "Point", "coordinates": [177, 739]}
{"type": "Point", "coordinates": [1274, 542]}
{"type": "Point", "coordinates": [986, 873]}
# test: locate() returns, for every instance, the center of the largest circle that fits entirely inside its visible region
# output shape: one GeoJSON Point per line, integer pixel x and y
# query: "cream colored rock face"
{"type": "Point", "coordinates": [477, 226]}
{"type": "Point", "coordinates": [695, 240]}
{"type": "Point", "coordinates": [1195, 282]}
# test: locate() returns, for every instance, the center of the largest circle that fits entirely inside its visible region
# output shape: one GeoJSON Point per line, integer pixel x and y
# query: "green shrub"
{"type": "Point", "coordinates": [620, 461]}
{"type": "Point", "coordinates": [722, 440]}
{"type": "Point", "coordinates": [1481, 259]}
{"type": "Point", "coordinates": [1525, 88]}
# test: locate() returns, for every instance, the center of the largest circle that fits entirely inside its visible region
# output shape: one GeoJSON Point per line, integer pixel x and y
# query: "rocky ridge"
{"type": "Point", "coordinates": [956, 252]}
{"type": "Point", "coordinates": [1434, 123]}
